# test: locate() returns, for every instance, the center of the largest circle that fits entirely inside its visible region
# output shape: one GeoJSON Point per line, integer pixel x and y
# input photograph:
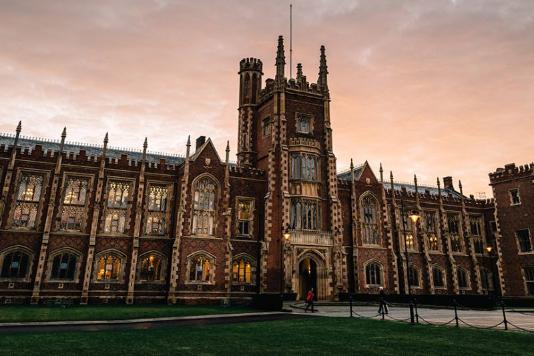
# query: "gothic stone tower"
{"type": "Point", "coordinates": [284, 129]}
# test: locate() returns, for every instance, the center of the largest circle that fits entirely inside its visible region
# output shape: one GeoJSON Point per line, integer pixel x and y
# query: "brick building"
{"type": "Point", "coordinates": [513, 189]}
{"type": "Point", "coordinates": [96, 223]}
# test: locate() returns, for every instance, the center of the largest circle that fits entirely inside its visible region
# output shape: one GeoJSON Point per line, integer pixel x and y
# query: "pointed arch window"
{"type": "Point", "coordinates": [201, 268]}
{"type": "Point", "coordinates": [151, 267]}
{"type": "Point", "coordinates": [438, 277]}
{"type": "Point", "coordinates": [463, 278]}
{"type": "Point", "coordinates": [156, 220]}
{"type": "Point", "coordinates": [369, 218]}
{"type": "Point", "coordinates": [15, 264]}
{"type": "Point", "coordinates": [486, 279]}
{"type": "Point", "coordinates": [204, 206]}
{"type": "Point", "coordinates": [413, 277]}
{"type": "Point", "coordinates": [373, 274]}
{"type": "Point", "coordinates": [117, 206]}
{"type": "Point", "coordinates": [109, 266]}
{"type": "Point", "coordinates": [243, 270]}
{"type": "Point", "coordinates": [64, 266]}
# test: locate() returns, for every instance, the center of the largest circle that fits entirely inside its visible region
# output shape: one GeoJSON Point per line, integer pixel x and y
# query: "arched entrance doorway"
{"type": "Point", "coordinates": [307, 277]}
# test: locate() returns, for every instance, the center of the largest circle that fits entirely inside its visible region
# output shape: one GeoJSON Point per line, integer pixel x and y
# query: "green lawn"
{"type": "Point", "coordinates": [17, 313]}
{"type": "Point", "coordinates": [311, 336]}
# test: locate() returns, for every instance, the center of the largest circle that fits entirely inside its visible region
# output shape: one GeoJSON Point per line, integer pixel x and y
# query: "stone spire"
{"type": "Point", "coordinates": [17, 134]}
{"type": "Point", "coordinates": [381, 173]}
{"type": "Point", "coordinates": [280, 60]}
{"type": "Point", "coordinates": [227, 152]}
{"type": "Point", "coordinates": [188, 147]}
{"type": "Point", "coordinates": [322, 81]}
{"type": "Point", "coordinates": [105, 149]}
{"type": "Point", "coordinates": [145, 146]}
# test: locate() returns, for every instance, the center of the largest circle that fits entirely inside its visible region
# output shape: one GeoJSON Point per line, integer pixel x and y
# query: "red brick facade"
{"type": "Point", "coordinates": [99, 224]}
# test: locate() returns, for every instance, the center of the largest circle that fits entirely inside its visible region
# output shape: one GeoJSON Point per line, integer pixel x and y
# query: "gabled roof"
{"type": "Point", "coordinates": [90, 149]}
{"type": "Point", "coordinates": [203, 147]}
{"type": "Point", "coordinates": [346, 175]}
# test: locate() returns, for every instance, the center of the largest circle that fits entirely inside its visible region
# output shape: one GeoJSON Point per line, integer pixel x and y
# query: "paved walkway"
{"type": "Point", "coordinates": [145, 323]}
{"type": "Point", "coordinates": [477, 318]}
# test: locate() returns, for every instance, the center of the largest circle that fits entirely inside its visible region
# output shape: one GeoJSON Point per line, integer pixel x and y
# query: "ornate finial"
{"type": "Point", "coordinates": [104, 150]}
{"type": "Point", "coordinates": [227, 152]}
{"type": "Point", "coordinates": [188, 146]}
{"type": "Point", "coordinates": [63, 136]}
{"type": "Point", "coordinates": [351, 164]}
{"type": "Point", "coordinates": [299, 72]}
{"type": "Point", "coordinates": [106, 140]}
{"type": "Point", "coordinates": [381, 170]}
{"type": "Point", "coordinates": [460, 186]}
{"type": "Point", "coordinates": [280, 59]}
{"type": "Point", "coordinates": [322, 82]}
{"type": "Point", "coordinates": [391, 176]}
{"type": "Point", "coordinates": [19, 127]}
{"type": "Point", "coordinates": [415, 179]}
{"type": "Point", "coordinates": [145, 144]}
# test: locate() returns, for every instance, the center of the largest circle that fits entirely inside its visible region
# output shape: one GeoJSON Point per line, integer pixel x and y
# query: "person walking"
{"type": "Point", "coordinates": [309, 300]}
{"type": "Point", "coordinates": [383, 305]}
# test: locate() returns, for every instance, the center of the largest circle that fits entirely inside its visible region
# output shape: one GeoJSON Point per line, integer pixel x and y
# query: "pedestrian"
{"type": "Point", "coordinates": [309, 300]}
{"type": "Point", "coordinates": [383, 305]}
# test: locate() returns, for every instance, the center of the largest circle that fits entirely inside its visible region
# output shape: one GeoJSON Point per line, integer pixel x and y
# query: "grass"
{"type": "Point", "coordinates": [310, 336]}
{"type": "Point", "coordinates": [20, 313]}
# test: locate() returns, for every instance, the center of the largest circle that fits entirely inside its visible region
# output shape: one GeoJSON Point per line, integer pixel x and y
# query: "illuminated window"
{"type": "Point", "coordinates": [433, 242]}
{"type": "Point", "coordinates": [369, 212]}
{"type": "Point", "coordinates": [15, 265]}
{"type": "Point", "coordinates": [28, 197]}
{"type": "Point", "coordinates": [151, 268]}
{"type": "Point", "coordinates": [73, 210]}
{"type": "Point", "coordinates": [156, 222]}
{"type": "Point", "coordinates": [373, 274]}
{"type": "Point", "coordinates": [204, 205]}
{"type": "Point", "coordinates": [64, 266]}
{"type": "Point", "coordinates": [201, 269]}
{"type": "Point", "coordinates": [244, 217]}
{"type": "Point", "coordinates": [117, 208]}
{"type": "Point", "coordinates": [453, 221]}
{"type": "Point", "coordinates": [108, 267]}
{"type": "Point", "coordinates": [243, 271]}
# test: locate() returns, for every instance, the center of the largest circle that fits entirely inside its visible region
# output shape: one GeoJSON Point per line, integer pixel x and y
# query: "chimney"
{"type": "Point", "coordinates": [200, 141]}
{"type": "Point", "coordinates": [447, 183]}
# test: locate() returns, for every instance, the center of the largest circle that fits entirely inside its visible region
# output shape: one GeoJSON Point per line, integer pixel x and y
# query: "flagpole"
{"type": "Point", "coordinates": [290, 41]}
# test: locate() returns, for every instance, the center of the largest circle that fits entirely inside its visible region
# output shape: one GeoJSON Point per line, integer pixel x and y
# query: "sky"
{"type": "Point", "coordinates": [431, 87]}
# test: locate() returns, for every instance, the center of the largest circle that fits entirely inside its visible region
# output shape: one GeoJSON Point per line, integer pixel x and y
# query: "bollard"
{"type": "Point", "coordinates": [456, 312]}
{"type": "Point", "coordinates": [412, 318]}
{"type": "Point", "coordinates": [350, 303]}
{"type": "Point", "coordinates": [504, 316]}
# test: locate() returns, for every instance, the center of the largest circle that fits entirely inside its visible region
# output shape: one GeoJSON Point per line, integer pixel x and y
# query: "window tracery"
{"type": "Point", "coordinates": [73, 209]}
{"type": "Point", "coordinates": [204, 206]}
{"type": "Point", "coordinates": [27, 202]}
{"type": "Point", "coordinates": [370, 220]}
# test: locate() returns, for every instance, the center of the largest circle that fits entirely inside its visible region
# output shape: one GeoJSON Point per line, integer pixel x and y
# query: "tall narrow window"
{"type": "Point", "coordinates": [108, 267]}
{"type": "Point", "coordinates": [373, 274]}
{"type": "Point", "coordinates": [305, 214]}
{"type": "Point", "coordinates": [413, 277]}
{"type": "Point", "coordinates": [463, 278]}
{"type": "Point", "coordinates": [304, 167]}
{"type": "Point", "coordinates": [117, 207]}
{"type": "Point", "coordinates": [244, 217]}
{"type": "Point", "coordinates": [28, 197]}
{"type": "Point", "coordinates": [370, 230]}
{"type": "Point", "coordinates": [204, 205]}
{"type": "Point", "coordinates": [529, 279]}
{"type": "Point", "coordinates": [454, 232]}
{"type": "Point", "coordinates": [73, 209]}
{"type": "Point", "coordinates": [64, 267]}
{"type": "Point", "coordinates": [515, 199]}
{"type": "Point", "coordinates": [15, 265]}
{"type": "Point", "coordinates": [243, 271]}
{"type": "Point", "coordinates": [486, 279]}
{"type": "Point", "coordinates": [156, 221]}
{"type": "Point", "coordinates": [439, 278]}
{"type": "Point", "coordinates": [431, 231]}
{"type": "Point", "coordinates": [476, 232]}
{"type": "Point", "coordinates": [266, 127]}
{"type": "Point", "coordinates": [523, 240]}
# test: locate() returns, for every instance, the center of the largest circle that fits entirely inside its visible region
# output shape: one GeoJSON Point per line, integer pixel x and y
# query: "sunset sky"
{"type": "Point", "coordinates": [429, 87]}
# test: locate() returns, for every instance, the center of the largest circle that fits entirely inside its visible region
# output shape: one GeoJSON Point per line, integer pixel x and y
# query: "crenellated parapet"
{"type": "Point", "coordinates": [510, 172]}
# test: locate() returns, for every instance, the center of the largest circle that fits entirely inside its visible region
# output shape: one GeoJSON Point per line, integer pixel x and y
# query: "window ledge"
{"type": "Point", "coordinates": [195, 283]}
{"type": "Point", "coordinates": [530, 253]}
{"type": "Point", "coordinates": [206, 237]}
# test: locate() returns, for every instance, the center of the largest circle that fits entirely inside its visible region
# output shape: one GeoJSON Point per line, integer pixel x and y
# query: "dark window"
{"type": "Point", "coordinates": [529, 279]}
{"type": "Point", "coordinates": [523, 238]}
{"type": "Point", "coordinates": [463, 281]}
{"type": "Point", "coordinates": [305, 215]}
{"type": "Point", "coordinates": [64, 266]}
{"type": "Point", "coordinates": [266, 127]}
{"type": "Point", "coordinates": [413, 277]}
{"type": "Point", "coordinates": [437, 274]}
{"type": "Point", "coordinates": [15, 265]}
{"type": "Point", "coordinates": [373, 274]}
{"type": "Point", "coordinates": [479, 245]}
{"type": "Point", "coordinates": [515, 199]}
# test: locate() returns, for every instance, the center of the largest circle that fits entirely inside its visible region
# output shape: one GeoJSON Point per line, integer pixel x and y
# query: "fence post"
{"type": "Point", "coordinates": [456, 312]}
{"type": "Point", "coordinates": [350, 303]}
{"type": "Point", "coordinates": [416, 312]}
{"type": "Point", "coordinates": [412, 318]}
{"type": "Point", "coordinates": [504, 316]}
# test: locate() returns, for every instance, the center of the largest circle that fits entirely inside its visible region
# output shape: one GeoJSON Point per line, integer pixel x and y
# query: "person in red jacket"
{"type": "Point", "coordinates": [309, 300]}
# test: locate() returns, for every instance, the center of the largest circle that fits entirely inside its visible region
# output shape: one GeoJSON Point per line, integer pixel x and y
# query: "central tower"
{"type": "Point", "coordinates": [284, 129]}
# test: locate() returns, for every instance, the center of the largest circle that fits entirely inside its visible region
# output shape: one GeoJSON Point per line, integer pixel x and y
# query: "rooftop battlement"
{"type": "Point", "coordinates": [511, 171]}
{"type": "Point", "coordinates": [250, 64]}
